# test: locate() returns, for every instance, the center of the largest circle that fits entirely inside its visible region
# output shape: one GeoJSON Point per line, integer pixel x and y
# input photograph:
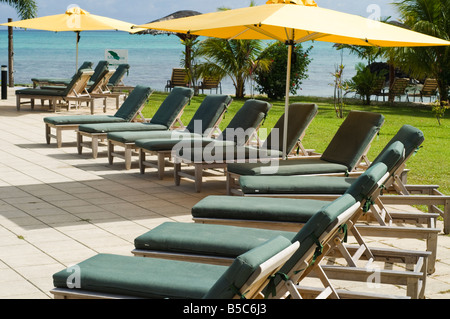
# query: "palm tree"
{"type": "Point", "coordinates": [26, 9]}
{"type": "Point", "coordinates": [429, 17]}
{"type": "Point", "coordinates": [234, 58]}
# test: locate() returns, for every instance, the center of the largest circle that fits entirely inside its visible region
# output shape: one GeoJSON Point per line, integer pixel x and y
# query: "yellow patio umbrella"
{"type": "Point", "coordinates": [74, 19]}
{"type": "Point", "coordinates": [292, 22]}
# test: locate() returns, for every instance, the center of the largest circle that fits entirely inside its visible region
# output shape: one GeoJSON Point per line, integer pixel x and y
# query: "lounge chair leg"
{"type": "Point", "coordinates": [47, 133]}
{"type": "Point", "coordinates": [79, 143]}
{"type": "Point", "coordinates": [198, 177]}
{"type": "Point", "coordinates": [141, 161]}
{"type": "Point", "coordinates": [58, 137]}
{"type": "Point", "coordinates": [161, 165]}
{"type": "Point", "coordinates": [110, 152]}
{"type": "Point", "coordinates": [128, 157]}
{"type": "Point", "coordinates": [176, 169]}
{"type": "Point", "coordinates": [94, 145]}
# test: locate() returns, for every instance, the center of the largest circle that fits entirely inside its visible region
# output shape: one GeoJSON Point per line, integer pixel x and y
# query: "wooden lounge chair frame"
{"type": "Point", "coordinates": [210, 83]}
{"type": "Point", "coordinates": [76, 93]}
{"type": "Point", "coordinates": [129, 149]}
{"type": "Point", "coordinates": [429, 89]}
{"type": "Point", "coordinates": [251, 289]}
{"type": "Point", "coordinates": [199, 167]}
{"type": "Point", "coordinates": [163, 158]}
{"type": "Point", "coordinates": [232, 179]}
{"type": "Point", "coordinates": [179, 78]}
{"type": "Point", "coordinates": [138, 117]}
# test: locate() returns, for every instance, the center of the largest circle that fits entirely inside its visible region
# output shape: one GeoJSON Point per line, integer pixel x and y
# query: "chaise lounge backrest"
{"type": "Point", "coordinates": [247, 119]}
{"type": "Point", "coordinates": [119, 74]}
{"type": "Point", "coordinates": [99, 70]}
{"type": "Point", "coordinates": [209, 113]}
{"type": "Point", "coordinates": [231, 283]}
{"type": "Point", "coordinates": [353, 138]}
{"type": "Point", "coordinates": [129, 109]}
{"type": "Point", "coordinates": [172, 105]}
{"type": "Point", "coordinates": [78, 83]}
{"type": "Point", "coordinates": [300, 116]}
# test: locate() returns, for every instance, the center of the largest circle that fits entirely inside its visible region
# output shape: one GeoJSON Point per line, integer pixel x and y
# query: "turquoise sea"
{"type": "Point", "coordinates": [52, 54]}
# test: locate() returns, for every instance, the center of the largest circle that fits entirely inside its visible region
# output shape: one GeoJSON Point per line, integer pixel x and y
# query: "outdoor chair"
{"type": "Point", "coordinates": [166, 117]}
{"type": "Point", "coordinates": [302, 115]}
{"type": "Point", "coordinates": [117, 79]}
{"type": "Point", "coordinates": [204, 124]}
{"type": "Point", "coordinates": [210, 83]}
{"type": "Point", "coordinates": [428, 89]}
{"type": "Point", "coordinates": [114, 276]}
{"type": "Point", "coordinates": [59, 81]}
{"type": "Point", "coordinates": [378, 89]}
{"type": "Point", "coordinates": [179, 78]}
{"type": "Point", "coordinates": [437, 203]}
{"type": "Point", "coordinates": [398, 88]}
{"type": "Point", "coordinates": [215, 243]}
{"type": "Point", "coordinates": [129, 111]}
{"type": "Point", "coordinates": [263, 193]}
{"type": "Point", "coordinates": [345, 154]}
{"type": "Point", "coordinates": [242, 127]}
{"type": "Point", "coordinates": [76, 90]}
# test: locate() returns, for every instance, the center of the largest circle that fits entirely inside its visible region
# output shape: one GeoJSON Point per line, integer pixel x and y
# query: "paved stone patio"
{"type": "Point", "coordinates": [58, 208]}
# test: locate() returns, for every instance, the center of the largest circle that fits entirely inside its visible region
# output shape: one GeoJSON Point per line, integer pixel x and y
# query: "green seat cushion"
{"type": "Point", "coordinates": [246, 120]}
{"type": "Point", "coordinates": [303, 166]}
{"type": "Point", "coordinates": [174, 144]}
{"type": "Point", "coordinates": [314, 229]}
{"type": "Point", "coordinates": [224, 152]}
{"type": "Point", "coordinates": [133, 102]}
{"type": "Point", "coordinates": [81, 119]}
{"type": "Point", "coordinates": [352, 138]}
{"type": "Point", "coordinates": [257, 208]}
{"type": "Point", "coordinates": [172, 105]}
{"type": "Point", "coordinates": [409, 136]}
{"type": "Point", "coordinates": [133, 136]}
{"type": "Point", "coordinates": [119, 74]}
{"type": "Point", "coordinates": [208, 113]}
{"type": "Point", "coordinates": [161, 278]}
{"type": "Point", "coordinates": [315, 184]}
{"type": "Point", "coordinates": [63, 81]}
{"type": "Point", "coordinates": [122, 126]}
{"type": "Point", "coordinates": [243, 267]}
{"type": "Point", "coordinates": [42, 92]}
{"type": "Point", "coordinates": [143, 277]}
{"type": "Point", "coordinates": [300, 116]}
{"type": "Point", "coordinates": [295, 184]}
{"type": "Point", "coordinates": [205, 239]}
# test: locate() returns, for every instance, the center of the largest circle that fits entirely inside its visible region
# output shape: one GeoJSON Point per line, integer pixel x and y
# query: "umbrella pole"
{"type": "Point", "coordinates": [286, 103]}
{"type": "Point", "coordinates": [76, 57]}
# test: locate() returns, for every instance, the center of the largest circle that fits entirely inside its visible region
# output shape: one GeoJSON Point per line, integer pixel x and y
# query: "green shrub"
{"type": "Point", "coordinates": [273, 82]}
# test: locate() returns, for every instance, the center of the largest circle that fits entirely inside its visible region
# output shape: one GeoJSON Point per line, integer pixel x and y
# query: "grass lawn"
{"type": "Point", "coordinates": [431, 164]}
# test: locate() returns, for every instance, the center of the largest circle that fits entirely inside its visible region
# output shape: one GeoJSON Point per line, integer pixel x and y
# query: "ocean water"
{"type": "Point", "coordinates": [52, 54]}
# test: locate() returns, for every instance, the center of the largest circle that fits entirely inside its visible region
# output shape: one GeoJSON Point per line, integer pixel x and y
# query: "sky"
{"type": "Point", "coordinates": [143, 11]}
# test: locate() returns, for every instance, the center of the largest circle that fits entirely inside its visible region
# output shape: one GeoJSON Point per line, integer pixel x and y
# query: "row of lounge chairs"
{"type": "Point", "coordinates": [85, 86]}
{"type": "Point", "coordinates": [240, 232]}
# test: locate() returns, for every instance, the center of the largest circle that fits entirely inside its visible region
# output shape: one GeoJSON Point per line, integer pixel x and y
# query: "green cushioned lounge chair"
{"type": "Point", "coordinates": [344, 154]}
{"type": "Point", "coordinates": [203, 124]}
{"type": "Point", "coordinates": [221, 243]}
{"type": "Point", "coordinates": [242, 127]}
{"type": "Point", "coordinates": [166, 117]}
{"type": "Point", "coordinates": [265, 215]}
{"type": "Point", "coordinates": [384, 221]}
{"type": "Point", "coordinates": [322, 187]}
{"type": "Point", "coordinates": [60, 81]}
{"type": "Point", "coordinates": [76, 90]}
{"type": "Point", "coordinates": [117, 78]}
{"type": "Point", "coordinates": [114, 276]}
{"type": "Point", "coordinates": [129, 111]}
